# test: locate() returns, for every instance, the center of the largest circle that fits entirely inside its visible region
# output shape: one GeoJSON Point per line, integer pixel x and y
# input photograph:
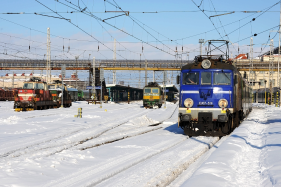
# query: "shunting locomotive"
{"type": "Point", "coordinates": [152, 95]}
{"type": "Point", "coordinates": [214, 97]}
{"type": "Point", "coordinates": [34, 96]}
{"type": "Point", "coordinates": [57, 96]}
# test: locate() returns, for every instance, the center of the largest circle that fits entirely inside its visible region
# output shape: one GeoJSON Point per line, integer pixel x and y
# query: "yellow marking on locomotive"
{"type": "Point", "coordinates": [188, 111]}
{"type": "Point", "coordinates": [151, 97]}
{"type": "Point", "coordinates": [18, 109]}
{"type": "Point", "coordinates": [223, 111]}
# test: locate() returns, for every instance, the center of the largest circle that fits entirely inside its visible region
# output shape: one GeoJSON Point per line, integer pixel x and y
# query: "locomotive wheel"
{"type": "Point", "coordinates": [159, 106]}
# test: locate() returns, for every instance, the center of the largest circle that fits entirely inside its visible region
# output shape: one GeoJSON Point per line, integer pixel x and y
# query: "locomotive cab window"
{"type": "Point", "coordinates": [28, 86]}
{"type": "Point", "coordinates": [59, 87]}
{"type": "Point", "coordinates": [51, 87]}
{"type": "Point", "coordinates": [221, 78]}
{"type": "Point", "coordinates": [206, 78]}
{"type": "Point", "coordinates": [39, 86]}
{"type": "Point", "coordinates": [147, 90]}
{"type": "Point", "coordinates": [190, 78]}
{"type": "Point", "coordinates": [155, 90]}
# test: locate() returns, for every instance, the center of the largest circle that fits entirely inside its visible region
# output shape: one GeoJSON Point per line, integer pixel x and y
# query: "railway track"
{"type": "Point", "coordinates": [62, 141]}
{"type": "Point", "coordinates": [139, 148]}
{"type": "Point", "coordinates": [78, 138]}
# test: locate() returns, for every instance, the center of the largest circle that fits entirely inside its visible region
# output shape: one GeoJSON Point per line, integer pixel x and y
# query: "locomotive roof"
{"type": "Point", "coordinates": [219, 65]}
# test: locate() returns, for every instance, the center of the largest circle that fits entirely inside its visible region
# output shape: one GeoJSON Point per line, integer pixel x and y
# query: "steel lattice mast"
{"type": "Point", "coordinates": [114, 58]}
{"type": "Point", "coordinates": [271, 60]}
{"type": "Point", "coordinates": [251, 73]}
{"type": "Point", "coordinates": [48, 64]}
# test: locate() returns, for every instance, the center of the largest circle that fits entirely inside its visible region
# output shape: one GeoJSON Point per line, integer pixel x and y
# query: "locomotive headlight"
{"type": "Point", "coordinates": [223, 103]}
{"type": "Point", "coordinates": [206, 64]}
{"type": "Point", "coordinates": [188, 103]}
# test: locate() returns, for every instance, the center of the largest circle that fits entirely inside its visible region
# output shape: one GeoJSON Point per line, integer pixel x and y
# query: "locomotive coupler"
{"type": "Point", "coordinates": [228, 113]}
{"type": "Point", "coordinates": [185, 117]}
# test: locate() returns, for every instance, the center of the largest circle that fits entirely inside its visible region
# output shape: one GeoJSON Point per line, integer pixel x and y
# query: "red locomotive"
{"type": "Point", "coordinates": [34, 96]}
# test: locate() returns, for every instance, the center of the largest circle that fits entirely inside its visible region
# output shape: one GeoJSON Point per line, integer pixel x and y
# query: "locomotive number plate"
{"type": "Point", "coordinates": [151, 98]}
{"type": "Point", "coordinates": [205, 103]}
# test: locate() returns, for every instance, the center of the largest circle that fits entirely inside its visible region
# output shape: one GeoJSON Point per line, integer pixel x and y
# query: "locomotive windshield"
{"type": "Point", "coordinates": [222, 78]}
{"type": "Point", "coordinates": [155, 90]}
{"type": "Point", "coordinates": [190, 78]}
{"type": "Point", "coordinates": [39, 86]}
{"type": "Point", "coordinates": [147, 90]}
{"type": "Point", "coordinates": [206, 78]}
{"type": "Point", "coordinates": [28, 86]}
{"type": "Point", "coordinates": [51, 86]}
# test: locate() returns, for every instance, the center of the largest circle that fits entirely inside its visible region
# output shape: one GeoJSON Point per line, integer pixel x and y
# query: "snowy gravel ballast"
{"type": "Point", "coordinates": [249, 157]}
{"type": "Point", "coordinates": [161, 169]}
{"type": "Point", "coordinates": [116, 162]}
{"type": "Point", "coordinates": [39, 148]}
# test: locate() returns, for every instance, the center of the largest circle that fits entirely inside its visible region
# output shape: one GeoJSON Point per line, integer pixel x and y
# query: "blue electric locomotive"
{"type": "Point", "coordinates": [213, 98]}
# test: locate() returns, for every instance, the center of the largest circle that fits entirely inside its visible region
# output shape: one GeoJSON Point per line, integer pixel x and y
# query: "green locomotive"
{"type": "Point", "coordinates": [152, 95]}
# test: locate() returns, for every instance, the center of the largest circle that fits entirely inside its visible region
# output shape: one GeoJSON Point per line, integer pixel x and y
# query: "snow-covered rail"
{"type": "Point", "coordinates": [50, 145]}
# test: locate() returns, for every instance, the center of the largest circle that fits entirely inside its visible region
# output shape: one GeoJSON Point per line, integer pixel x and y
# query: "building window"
{"type": "Point", "coordinates": [262, 82]}
{"type": "Point", "coordinates": [261, 72]}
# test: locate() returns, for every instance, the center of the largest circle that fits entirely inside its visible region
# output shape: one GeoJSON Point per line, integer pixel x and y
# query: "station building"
{"type": "Point", "coordinates": [120, 93]}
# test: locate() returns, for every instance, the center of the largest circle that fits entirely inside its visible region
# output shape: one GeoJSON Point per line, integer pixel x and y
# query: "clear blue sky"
{"type": "Point", "coordinates": [179, 21]}
{"type": "Point", "coordinates": [160, 28]}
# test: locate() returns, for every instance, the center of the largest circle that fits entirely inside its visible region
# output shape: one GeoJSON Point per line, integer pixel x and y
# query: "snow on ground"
{"type": "Point", "coordinates": [128, 145]}
{"type": "Point", "coordinates": [49, 147]}
{"type": "Point", "coordinates": [161, 169]}
{"type": "Point", "coordinates": [250, 156]}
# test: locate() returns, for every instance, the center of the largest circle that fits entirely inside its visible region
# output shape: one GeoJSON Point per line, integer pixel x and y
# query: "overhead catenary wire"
{"type": "Point", "coordinates": [148, 12]}
{"type": "Point", "coordinates": [81, 30]}
{"type": "Point", "coordinates": [99, 19]}
{"type": "Point", "coordinates": [142, 27]}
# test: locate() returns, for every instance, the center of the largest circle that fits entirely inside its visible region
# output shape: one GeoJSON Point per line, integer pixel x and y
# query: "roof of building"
{"type": "Point", "coordinates": [171, 87]}
{"type": "Point", "coordinates": [241, 56]}
{"type": "Point", "coordinates": [119, 86]}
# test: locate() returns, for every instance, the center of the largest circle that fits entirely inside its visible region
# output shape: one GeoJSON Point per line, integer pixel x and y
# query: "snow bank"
{"type": "Point", "coordinates": [249, 157]}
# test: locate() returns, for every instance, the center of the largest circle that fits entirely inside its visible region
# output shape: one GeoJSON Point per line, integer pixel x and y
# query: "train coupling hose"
{"type": "Point", "coordinates": [228, 112]}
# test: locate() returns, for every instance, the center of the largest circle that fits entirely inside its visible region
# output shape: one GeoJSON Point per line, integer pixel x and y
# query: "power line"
{"type": "Point", "coordinates": [80, 29]}
{"type": "Point", "coordinates": [147, 12]}
{"type": "Point", "coordinates": [99, 19]}
{"type": "Point", "coordinates": [208, 18]}
{"type": "Point", "coordinates": [141, 26]}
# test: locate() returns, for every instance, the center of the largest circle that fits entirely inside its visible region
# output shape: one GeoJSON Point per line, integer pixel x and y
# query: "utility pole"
{"type": "Point", "coordinates": [48, 64]}
{"type": "Point", "coordinates": [145, 72]}
{"type": "Point", "coordinates": [94, 79]}
{"type": "Point", "coordinates": [101, 80]}
{"type": "Point", "coordinates": [76, 76]}
{"type": "Point", "coordinates": [271, 63]}
{"type": "Point", "coordinates": [251, 67]}
{"type": "Point", "coordinates": [201, 41]}
{"type": "Point", "coordinates": [114, 58]}
{"type": "Point", "coordinates": [139, 74]}
{"type": "Point", "coordinates": [164, 88]}
{"type": "Point", "coordinates": [63, 67]}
